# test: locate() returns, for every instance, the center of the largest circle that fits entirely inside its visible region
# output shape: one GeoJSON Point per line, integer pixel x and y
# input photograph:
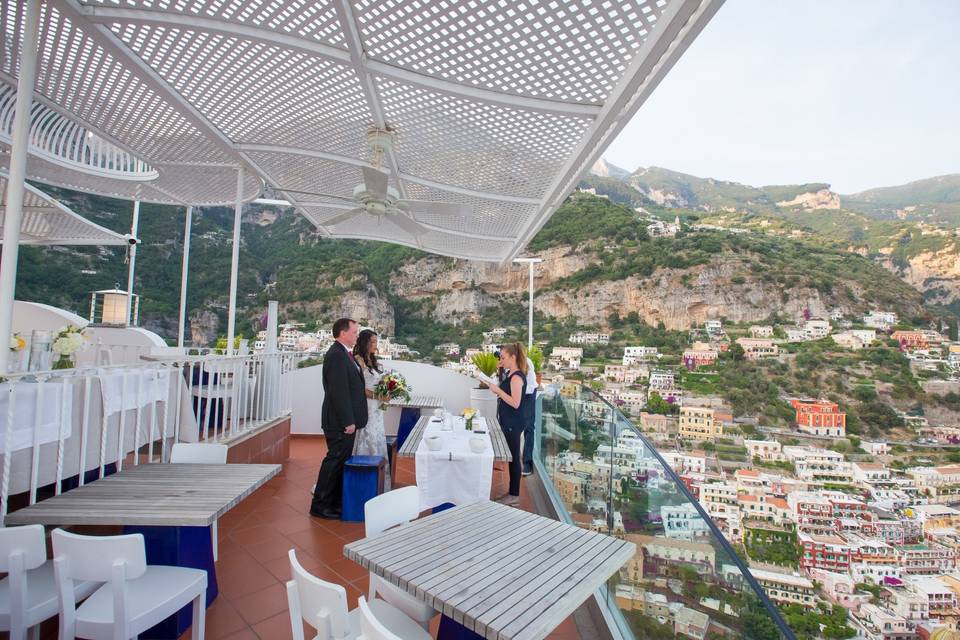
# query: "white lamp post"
{"type": "Point", "coordinates": [530, 262]}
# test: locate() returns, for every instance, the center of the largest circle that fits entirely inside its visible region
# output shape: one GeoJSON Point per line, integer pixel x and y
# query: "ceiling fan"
{"type": "Point", "coordinates": [376, 197]}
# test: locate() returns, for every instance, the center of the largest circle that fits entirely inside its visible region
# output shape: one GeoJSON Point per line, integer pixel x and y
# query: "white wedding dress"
{"type": "Point", "coordinates": [372, 440]}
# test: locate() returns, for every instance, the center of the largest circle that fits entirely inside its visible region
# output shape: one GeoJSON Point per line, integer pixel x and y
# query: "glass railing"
{"type": "Point", "coordinates": [685, 579]}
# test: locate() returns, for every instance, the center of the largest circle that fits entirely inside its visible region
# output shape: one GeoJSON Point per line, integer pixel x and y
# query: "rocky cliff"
{"type": "Point", "coordinates": [822, 199]}
{"type": "Point", "coordinates": [935, 273]}
{"type": "Point", "coordinates": [457, 290]}
{"type": "Point", "coordinates": [684, 298]}
{"type": "Point", "coordinates": [366, 305]}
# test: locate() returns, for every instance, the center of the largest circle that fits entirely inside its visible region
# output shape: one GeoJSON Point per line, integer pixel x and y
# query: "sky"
{"type": "Point", "coordinates": [855, 93]}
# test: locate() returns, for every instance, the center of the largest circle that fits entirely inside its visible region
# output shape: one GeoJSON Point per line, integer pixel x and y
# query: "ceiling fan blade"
{"type": "Point", "coordinates": [337, 219]}
{"type": "Point", "coordinates": [433, 208]}
{"type": "Point", "coordinates": [314, 193]}
{"type": "Point", "coordinates": [375, 181]}
{"type": "Point", "coordinates": [407, 223]}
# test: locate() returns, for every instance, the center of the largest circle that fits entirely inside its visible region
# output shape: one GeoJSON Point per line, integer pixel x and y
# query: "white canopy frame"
{"type": "Point", "coordinates": [46, 221]}
{"type": "Point", "coordinates": [499, 107]}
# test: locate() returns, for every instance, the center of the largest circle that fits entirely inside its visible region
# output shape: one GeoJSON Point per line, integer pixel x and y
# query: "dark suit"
{"type": "Point", "coordinates": [344, 403]}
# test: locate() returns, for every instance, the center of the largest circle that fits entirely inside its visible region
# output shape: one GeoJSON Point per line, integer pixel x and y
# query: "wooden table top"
{"type": "Point", "coordinates": [190, 495]}
{"type": "Point", "coordinates": [418, 400]}
{"type": "Point", "coordinates": [504, 573]}
{"type": "Point", "coordinates": [501, 452]}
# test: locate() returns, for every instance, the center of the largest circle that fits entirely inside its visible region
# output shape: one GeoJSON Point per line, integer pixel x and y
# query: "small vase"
{"type": "Point", "coordinates": [64, 361]}
{"type": "Point", "coordinates": [470, 423]}
{"type": "Point", "coordinates": [16, 361]}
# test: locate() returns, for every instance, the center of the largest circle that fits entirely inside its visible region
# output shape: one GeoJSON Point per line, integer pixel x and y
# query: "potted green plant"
{"type": "Point", "coordinates": [487, 363]}
{"type": "Point", "coordinates": [536, 357]}
{"type": "Point", "coordinates": [481, 398]}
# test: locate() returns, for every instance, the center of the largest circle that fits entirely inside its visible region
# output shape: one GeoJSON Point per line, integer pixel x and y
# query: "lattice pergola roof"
{"type": "Point", "coordinates": [48, 222]}
{"type": "Point", "coordinates": [498, 105]}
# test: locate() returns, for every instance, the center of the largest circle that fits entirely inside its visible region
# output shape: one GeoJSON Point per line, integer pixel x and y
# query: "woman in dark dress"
{"type": "Point", "coordinates": [511, 394]}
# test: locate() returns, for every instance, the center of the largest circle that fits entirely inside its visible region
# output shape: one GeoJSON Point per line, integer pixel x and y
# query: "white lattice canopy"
{"type": "Point", "coordinates": [47, 222]}
{"type": "Point", "coordinates": [496, 107]}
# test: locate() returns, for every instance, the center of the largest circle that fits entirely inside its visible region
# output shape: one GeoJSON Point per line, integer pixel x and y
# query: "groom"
{"type": "Point", "coordinates": [344, 411]}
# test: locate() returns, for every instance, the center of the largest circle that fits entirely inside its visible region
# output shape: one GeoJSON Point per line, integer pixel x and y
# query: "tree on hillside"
{"type": "Point", "coordinates": [656, 404]}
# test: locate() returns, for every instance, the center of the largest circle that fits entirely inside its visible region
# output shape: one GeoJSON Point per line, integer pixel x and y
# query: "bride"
{"type": "Point", "coordinates": [371, 440]}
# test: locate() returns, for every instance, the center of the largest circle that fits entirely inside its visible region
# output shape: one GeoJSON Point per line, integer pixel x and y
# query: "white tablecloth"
{"type": "Point", "coordinates": [101, 430]}
{"type": "Point", "coordinates": [125, 389]}
{"type": "Point", "coordinates": [56, 412]}
{"type": "Point", "coordinates": [454, 473]}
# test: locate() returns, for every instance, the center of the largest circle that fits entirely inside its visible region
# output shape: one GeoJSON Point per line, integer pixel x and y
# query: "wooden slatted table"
{"type": "Point", "coordinates": [171, 505]}
{"type": "Point", "coordinates": [186, 495]}
{"type": "Point", "coordinates": [501, 452]}
{"type": "Point", "coordinates": [504, 573]}
{"type": "Point", "coordinates": [419, 400]}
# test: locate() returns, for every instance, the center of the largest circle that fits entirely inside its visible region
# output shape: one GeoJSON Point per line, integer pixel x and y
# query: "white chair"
{"type": "Point", "coordinates": [323, 605]}
{"type": "Point", "coordinates": [28, 595]}
{"type": "Point", "coordinates": [201, 453]}
{"type": "Point", "coordinates": [135, 596]}
{"type": "Point", "coordinates": [379, 514]}
{"type": "Point", "coordinates": [370, 627]}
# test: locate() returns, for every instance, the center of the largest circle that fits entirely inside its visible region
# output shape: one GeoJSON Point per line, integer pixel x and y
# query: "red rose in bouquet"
{"type": "Point", "coordinates": [392, 386]}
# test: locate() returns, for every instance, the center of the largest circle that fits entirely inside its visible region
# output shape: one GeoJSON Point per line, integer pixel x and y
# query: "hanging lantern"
{"type": "Point", "coordinates": [109, 307]}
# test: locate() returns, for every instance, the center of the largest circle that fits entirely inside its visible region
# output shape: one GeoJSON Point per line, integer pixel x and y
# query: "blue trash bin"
{"type": "Point", "coordinates": [362, 480]}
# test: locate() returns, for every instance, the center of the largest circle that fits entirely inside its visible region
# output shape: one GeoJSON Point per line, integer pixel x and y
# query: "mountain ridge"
{"type": "Point", "coordinates": [935, 200]}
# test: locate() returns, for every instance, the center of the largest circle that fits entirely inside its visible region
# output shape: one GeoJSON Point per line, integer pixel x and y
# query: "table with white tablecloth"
{"type": "Point", "coordinates": [454, 473]}
{"type": "Point", "coordinates": [87, 418]}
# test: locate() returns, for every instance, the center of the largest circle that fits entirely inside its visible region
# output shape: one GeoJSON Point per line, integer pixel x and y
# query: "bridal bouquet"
{"type": "Point", "coordinates": [392, 386]}
{"type": "Point", "coordinates": [70, 340]}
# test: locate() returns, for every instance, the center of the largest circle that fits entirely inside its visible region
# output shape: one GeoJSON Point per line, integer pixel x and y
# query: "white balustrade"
{"type": "Point", "coordinates": [71, 424]}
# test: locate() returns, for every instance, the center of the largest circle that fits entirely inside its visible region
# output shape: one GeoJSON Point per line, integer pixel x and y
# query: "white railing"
{"type": "Point", "coordinates": [233, 394]}
{"type": "Point", "coordinates": [60, 429]}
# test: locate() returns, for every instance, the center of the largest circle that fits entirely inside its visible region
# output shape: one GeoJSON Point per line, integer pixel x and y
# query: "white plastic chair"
{"type": "Point", "coordinates": [28, 595]}
{"type": "Point", "coordinates": [201, 453]}
{"type": "Point", "coordinates": [370, 627]}
{"type": "Point", "coordinates": [379, 514]}
{"type": "Point", "coordinates": [323, 605]}
{"type": "Point", "coordinates": [135, 596]}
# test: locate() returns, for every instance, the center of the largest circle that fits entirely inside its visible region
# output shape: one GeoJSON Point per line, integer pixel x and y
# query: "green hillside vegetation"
{"type": "Point", "coordinates": [618, 191]}
{"type": "Point", "coordinates": [816, 369]}
{"type": "Point", "coordinates": [843, 229]}
{"type": "Point", "coordinates": [700, 191]}
{"type": "Point", "coordinates": [289, 255]}
{"type": "Point", "coordinates": [707, 193]}
{"type": "Point", "coordinates": [933, 200]}
{"type": "Point", "coordinates": [290, 261]}
{"type": "Point", "coordinates": [936, 200]}
{"type": "Point", "coordinates": [623, 250]}
{"type": "Point", "coordinates": [584, 217]}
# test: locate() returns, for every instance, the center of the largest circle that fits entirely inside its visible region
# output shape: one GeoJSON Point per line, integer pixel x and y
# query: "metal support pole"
{"type": "Point", "coordinates": [235, 263]}
{"type": "Point", "coordinates": [273, 314]}
{"type": "Point", "coordinates": [131, 269]}
{"type": "Point", "coordinates": [18, 171]}
{"type": "Point", "coordinates": [530, 317]}
{"type": "Point", "coordinates": [530, 262]}
{"type": "Point", "coordinates": [188, 222]}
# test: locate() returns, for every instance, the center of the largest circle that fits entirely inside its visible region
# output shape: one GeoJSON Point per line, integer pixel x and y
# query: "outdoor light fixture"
{"type": "Point", "coordinates": [109, 307]}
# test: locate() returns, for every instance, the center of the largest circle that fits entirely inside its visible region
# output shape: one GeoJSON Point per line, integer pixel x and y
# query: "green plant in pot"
{"type": "Point", "coordinates": [536, 357]}
{"type": "Point", "coordinates": [487, 364]}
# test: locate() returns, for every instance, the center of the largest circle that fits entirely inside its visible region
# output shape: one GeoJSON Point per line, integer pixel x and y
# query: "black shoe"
{"type": "Point", "coordinates": [527, 471]}
{"type": "Point", "coordinates": [326, 514]}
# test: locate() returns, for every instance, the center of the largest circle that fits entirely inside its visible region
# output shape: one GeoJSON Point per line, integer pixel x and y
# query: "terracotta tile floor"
{"type": "Point", "coordinates": [256, 535]}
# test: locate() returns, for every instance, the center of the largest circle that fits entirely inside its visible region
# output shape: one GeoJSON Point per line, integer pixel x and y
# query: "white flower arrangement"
{"type": "Point", "coordinates": [68, 341]}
